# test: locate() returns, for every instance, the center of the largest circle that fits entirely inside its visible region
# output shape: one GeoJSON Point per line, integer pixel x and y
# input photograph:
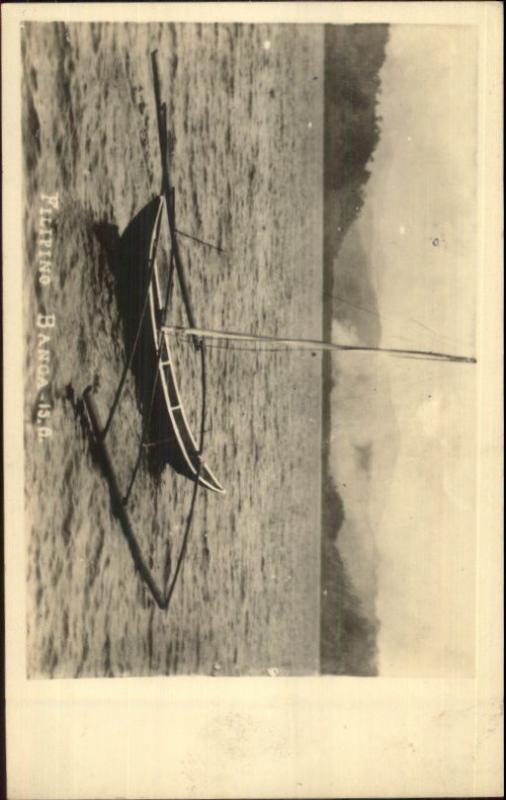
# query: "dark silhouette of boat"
{"type": "Point", "coordinates": [170, 439]}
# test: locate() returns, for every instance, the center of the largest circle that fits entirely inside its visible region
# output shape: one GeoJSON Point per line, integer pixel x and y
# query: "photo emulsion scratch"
{"type": "Point", "coordinates": [249, 364]}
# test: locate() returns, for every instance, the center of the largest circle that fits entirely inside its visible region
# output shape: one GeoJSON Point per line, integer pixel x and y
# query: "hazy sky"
{"type": "Point", "coordinates": [422, 196]}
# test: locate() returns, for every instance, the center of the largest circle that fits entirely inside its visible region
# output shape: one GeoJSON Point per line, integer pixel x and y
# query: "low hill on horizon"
{"type": "Point", "coordinates": [354, 56]}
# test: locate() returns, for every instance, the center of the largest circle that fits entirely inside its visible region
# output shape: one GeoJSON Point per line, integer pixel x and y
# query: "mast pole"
{"type": "Point", "coordinates": [314, 344]}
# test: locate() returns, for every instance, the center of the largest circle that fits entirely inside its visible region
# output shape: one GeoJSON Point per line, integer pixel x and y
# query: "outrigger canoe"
{"type": "Point", "coordinates": [142, 269]}
{"type": "Point", "coordinates": [145, 276]}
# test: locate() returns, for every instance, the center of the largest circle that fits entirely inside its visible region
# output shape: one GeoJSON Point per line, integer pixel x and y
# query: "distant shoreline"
{"type": "Point", "coordinates": [353, 56]}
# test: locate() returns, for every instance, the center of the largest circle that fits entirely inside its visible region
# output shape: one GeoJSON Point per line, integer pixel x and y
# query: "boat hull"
{"type": "Point", "coordinates": [167, 434]}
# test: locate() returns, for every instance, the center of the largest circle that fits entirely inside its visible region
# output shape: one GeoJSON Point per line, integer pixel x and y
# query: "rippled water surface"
{"type": "Point", "coordinates": [245, 106]}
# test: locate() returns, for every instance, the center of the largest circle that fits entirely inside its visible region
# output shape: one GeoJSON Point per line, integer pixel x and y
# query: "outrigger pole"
{"type": "Point", "coordinates": [313, 344]}
{"type": "Point", "coordinates": [168, 192]}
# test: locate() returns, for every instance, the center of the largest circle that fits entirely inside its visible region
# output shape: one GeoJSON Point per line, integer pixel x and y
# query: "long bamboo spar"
{"type": "Point", "coordinates": [314, 344]}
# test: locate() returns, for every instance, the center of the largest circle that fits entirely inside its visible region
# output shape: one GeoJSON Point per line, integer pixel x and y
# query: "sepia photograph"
{"type": "Point", "coordinates": [249, 288]}
{"type": "Point", "coordinates": [250, 316]}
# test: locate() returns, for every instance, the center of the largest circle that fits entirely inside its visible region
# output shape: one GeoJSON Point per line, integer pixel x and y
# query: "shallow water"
{"type": "Point", "coordinates": [247, 167]}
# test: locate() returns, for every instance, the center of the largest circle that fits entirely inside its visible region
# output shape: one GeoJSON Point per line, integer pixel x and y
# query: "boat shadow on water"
{"type": "Point", "coordinates": [128, 258]}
